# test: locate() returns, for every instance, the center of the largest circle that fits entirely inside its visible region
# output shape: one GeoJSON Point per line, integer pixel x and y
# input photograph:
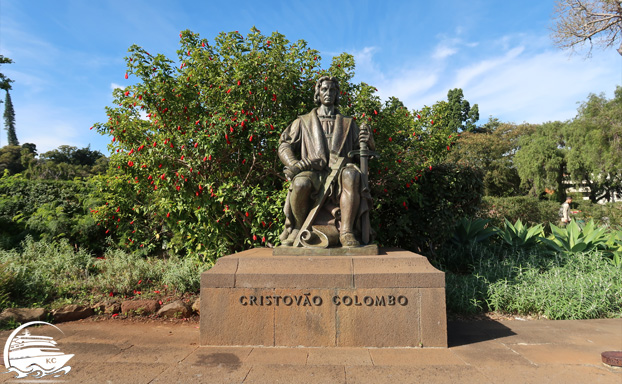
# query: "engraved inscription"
{"type": "Point", "coordinates": [306, 300]}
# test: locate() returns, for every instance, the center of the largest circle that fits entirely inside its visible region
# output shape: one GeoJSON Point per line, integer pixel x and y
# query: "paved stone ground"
{"type": "Point", "coordinates": [485, 351]}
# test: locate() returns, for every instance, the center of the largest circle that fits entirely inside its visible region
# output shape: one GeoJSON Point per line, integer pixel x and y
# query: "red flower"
{"type": "Point", "coordinates": [254, 237]}
{"type": "Point", "coordinates": [115, 315]}
{"type": "Point", "coordinates": [168, 214]}
{"type": "Point", "coordinates": [126, 75]}
{"type": "Point", "coordinates": [111, 294]}
{"type": "Point", "coordinates": [130, 163]}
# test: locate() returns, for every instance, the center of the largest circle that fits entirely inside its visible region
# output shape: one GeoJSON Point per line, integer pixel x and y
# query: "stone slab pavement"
{"type": "Point", "coordinates": [480, 351]}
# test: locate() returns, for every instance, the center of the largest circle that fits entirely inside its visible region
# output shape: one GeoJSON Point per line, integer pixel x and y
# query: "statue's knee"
{"type": "Point", "coordinates": [350, 177]}
{"type": "Point", "coordinates": [302, 184]}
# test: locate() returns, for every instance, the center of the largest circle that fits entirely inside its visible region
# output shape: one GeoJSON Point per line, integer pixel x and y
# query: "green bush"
{"type": "Point", "coordinates": [530, 210]}
{"type": "Point", "coordinates": [48, 209]}
{"type": "Point", "coordinates": [607, 215]}
{"type": "Point", "coordinates": [447, 192]}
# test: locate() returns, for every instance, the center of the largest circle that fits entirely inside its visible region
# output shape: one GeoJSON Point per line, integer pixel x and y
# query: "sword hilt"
{"type": "Point", "coordinates": [363, 153]}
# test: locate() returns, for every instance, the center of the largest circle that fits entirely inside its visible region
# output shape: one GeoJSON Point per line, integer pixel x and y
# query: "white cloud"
{"type": "Point", "coordinates": [538, 87]}
{"type": "Point", "coordinates": [114, 86]}
{"type": "Point", "coordinates": [467, 74]}
{"type": "Point", "coordinates": [516, 78]}
{"type": "Point", "coordinates": [442, 52]}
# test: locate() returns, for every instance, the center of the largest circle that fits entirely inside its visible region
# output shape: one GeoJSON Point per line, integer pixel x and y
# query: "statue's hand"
{"type": "Point", "coordinates": [291, 172]}
{"type": "Point", "coordinates": [364, 133]}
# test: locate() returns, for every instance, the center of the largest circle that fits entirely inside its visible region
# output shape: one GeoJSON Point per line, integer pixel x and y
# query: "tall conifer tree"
{"type": "Point", "coordinates": [9, 120]}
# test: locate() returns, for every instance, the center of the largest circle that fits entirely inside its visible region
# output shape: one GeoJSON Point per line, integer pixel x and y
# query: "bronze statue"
{"type": "Point", "coordinates": [328, 200]}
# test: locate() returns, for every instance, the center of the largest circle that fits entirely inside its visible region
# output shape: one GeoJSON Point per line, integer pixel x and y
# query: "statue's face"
{"type": "Point", "coordinates": [328, 93]}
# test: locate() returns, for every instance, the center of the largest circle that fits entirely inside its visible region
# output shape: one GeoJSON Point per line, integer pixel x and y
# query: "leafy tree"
{"type": "Point", "coordinates": [595, 146]}
{"type": "Point", "coordinates": [438, 127]}
{"type": "Point", "coordinates": [10, 160]}
{"type": "Point", "coordinates": [9, 120]}
{"type": "Point", "coordinates": [462, 117]}
{"type": "Point", "coordinates": [67, 162]}
{"type": "Point", "coordinates": [541, 160]}
{"type": "Point", "coordinates": [492, 150]}
{"type": "Point", "coordinates": [15, 159]}
{"type": "Point", "coordinates": [194, 166]}
{"type": "Point", "coordinates": [197, 171]}
{"type": "Point", "coordinates": [598, 22]}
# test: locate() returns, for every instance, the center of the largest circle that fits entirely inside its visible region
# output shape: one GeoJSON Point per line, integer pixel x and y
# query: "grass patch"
{"type": "Point", "coordinates": [42, 273]}
{"type": "Point", "coordinates": [533, 282]}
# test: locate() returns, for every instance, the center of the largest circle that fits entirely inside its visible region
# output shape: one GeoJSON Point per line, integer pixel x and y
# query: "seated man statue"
{"type": "Point", "coordinates": [319, 150]}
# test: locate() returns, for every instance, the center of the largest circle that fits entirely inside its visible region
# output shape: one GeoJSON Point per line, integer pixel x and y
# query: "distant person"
{"type": "Point", "coordinates": [565, 211]}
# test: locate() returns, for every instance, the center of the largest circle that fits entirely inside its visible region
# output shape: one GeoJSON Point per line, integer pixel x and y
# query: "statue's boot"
{"type": "Point", "coordinates": [347, 239]}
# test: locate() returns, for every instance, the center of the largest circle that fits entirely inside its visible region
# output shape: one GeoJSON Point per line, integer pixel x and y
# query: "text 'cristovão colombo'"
{"type": "Point", "coordinates": [308, 300]}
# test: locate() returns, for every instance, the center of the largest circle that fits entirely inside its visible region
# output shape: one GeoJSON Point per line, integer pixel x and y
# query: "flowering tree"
{"type": "Point", "coordinates": [194, 166]}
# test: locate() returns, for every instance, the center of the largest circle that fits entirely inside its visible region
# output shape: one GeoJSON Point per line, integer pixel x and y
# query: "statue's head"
{"type": "Point", "coordinates": [328, 80]}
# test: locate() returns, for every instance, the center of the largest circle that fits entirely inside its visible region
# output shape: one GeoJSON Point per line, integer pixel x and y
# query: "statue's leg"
{"type": "Point", "coordinates": [349, 203]}
{"type": "Point", "coordinates": [300, 204]}
{"type": "Point", "coordinates": [301, 199]}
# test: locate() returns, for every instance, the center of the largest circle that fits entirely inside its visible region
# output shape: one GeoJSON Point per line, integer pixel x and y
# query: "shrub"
{"type": "Point", "coordinates": [607, 215]}
{"type": "Point", "coordinates": [530, 210]}
{"type": "Point", "coordinates": [48, 209]}
{"type": "Point", "coordinates": [447, 192]}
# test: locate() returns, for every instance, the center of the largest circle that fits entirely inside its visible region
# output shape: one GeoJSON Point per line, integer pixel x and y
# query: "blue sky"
{"type": "Point", "coordinates": [69, 54]}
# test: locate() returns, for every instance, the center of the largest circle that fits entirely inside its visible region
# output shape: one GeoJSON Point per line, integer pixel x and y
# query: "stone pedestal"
{"type": "Point", "coordinates": [394, 299]}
